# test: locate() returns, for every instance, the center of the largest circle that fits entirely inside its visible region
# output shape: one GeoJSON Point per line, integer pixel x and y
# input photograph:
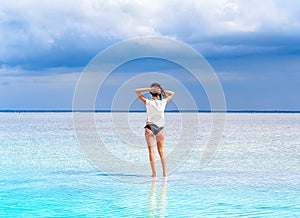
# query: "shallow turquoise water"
{"type": "Point", "coordinates": [255, 173]}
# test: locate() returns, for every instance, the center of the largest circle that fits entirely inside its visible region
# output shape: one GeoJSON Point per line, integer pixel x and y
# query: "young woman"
{"type": "Point", "coordinates": [155, 121]}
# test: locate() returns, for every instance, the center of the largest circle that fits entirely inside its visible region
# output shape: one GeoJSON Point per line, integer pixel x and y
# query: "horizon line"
{"type": "Point", "coordinates": [141, 111]}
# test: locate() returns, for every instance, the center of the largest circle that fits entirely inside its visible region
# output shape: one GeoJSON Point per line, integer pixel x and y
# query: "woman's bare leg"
{"type": "Point", "coordinates": [160, 140]}
{"type": "Point", "coordinates": [150, 142]}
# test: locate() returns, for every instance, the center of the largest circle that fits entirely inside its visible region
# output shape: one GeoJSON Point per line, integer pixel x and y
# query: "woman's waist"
{"type": "Point", "coordinates": [159, 124]}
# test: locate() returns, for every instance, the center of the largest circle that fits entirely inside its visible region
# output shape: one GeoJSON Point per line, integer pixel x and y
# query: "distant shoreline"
{"type": "Point", "coordinates": [143, 111]}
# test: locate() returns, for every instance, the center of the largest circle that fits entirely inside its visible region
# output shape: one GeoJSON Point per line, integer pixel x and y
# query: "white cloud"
{"type": "Point", "coordinates": [29, 27]}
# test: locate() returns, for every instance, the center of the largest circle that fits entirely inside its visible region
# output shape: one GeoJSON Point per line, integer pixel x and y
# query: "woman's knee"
{"type": "Point", "coordinates": [151, 154]}
{"type": "Point", "coordinates": [160, 151]}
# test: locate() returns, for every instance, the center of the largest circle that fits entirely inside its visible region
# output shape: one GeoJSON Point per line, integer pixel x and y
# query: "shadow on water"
{"type": "Point", "coordinates": [120, 175]}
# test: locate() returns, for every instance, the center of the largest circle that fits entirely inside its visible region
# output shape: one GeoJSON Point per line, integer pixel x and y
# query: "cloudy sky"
{"type": "Point", "coordinates": [253, 46]}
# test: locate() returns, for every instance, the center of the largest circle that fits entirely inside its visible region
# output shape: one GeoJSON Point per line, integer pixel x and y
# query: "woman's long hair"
{"type": "Point", "coordinates": [162, 94]}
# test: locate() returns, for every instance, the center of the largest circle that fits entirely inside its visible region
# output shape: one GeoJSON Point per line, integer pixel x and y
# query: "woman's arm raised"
{"type": "Point", "coordinates": [139, 93]}
{"type": "Point", "coordinates": [170, 95]}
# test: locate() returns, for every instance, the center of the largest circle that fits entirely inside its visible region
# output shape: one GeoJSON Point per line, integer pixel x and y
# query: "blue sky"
{"type": "Point", "coordinates": [253, 46]}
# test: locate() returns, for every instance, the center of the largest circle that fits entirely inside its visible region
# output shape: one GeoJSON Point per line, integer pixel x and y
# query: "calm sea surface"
{"type": "Point", "coordinates": [48, 169]}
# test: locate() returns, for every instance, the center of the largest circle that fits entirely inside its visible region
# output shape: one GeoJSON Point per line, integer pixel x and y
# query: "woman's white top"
{"type": "Point", "coordinates": [155, 111]}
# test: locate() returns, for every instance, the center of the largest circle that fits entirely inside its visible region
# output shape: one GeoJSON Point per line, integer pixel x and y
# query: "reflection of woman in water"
{"type": "Point", "coordinates": [157, 204]}
{"type": "Point", "coordinates": [155, 121]}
